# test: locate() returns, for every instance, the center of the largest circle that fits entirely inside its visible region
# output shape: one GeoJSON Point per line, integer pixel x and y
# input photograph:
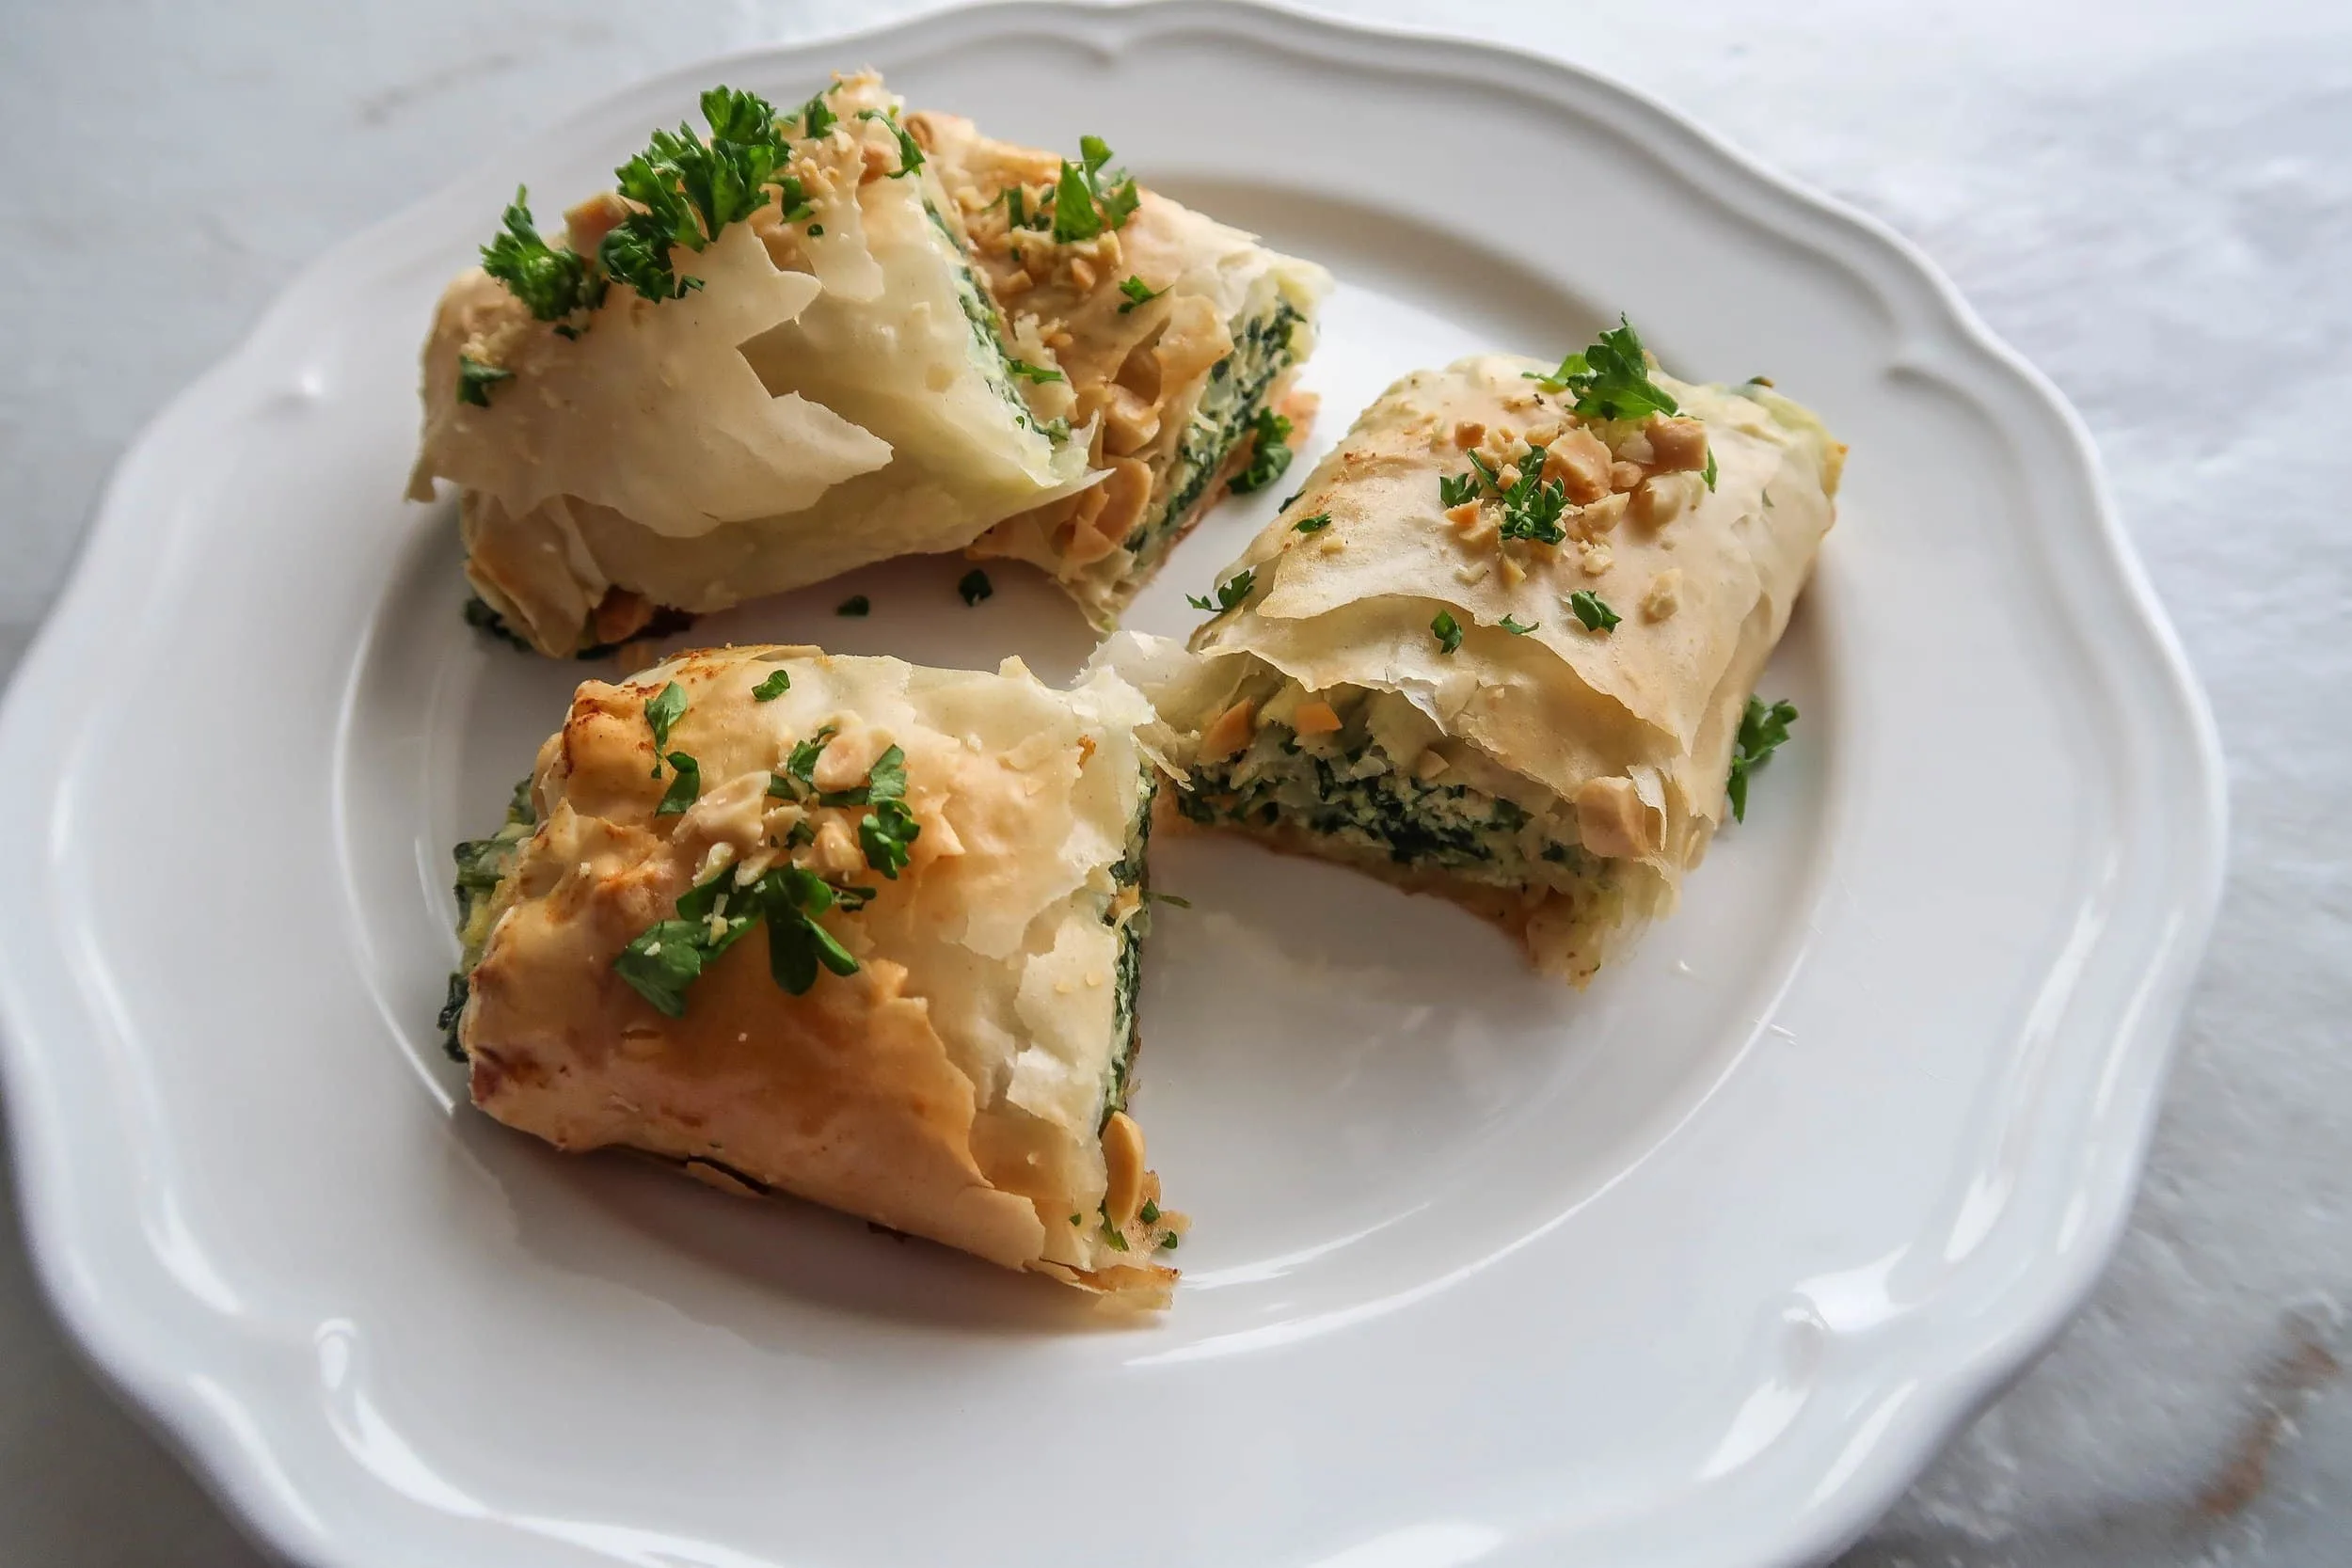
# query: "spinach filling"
{"type": "Point", "coordinates": [1238, 384]}
{"type": "Point", "coordinates": [1369, 806]}
{"type": "Point", "coordinates": [987, 326]}
{"type": "Point", "coordinates": [482, 864]}
{"type": "Point", "coordinates": [1129, 871]}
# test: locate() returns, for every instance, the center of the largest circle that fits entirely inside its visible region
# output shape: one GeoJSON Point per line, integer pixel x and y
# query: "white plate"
{"type": "Point", "coordinates": [1696, 1267]}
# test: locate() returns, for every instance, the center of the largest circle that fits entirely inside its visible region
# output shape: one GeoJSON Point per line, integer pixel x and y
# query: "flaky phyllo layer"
{"type": "Point", "coordinates": [849, 928]}
{"type": "Point", "coordinates": [1501, 644]}
{"type": "Point", "coordinates": [789, 344]}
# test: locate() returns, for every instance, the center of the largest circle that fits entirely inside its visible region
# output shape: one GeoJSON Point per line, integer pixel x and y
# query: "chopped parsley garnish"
{"type": "Point", "coordinates": [1611, 379]}
{"type": "Point", "coordinates": [816, 117]}
{"type": "Point", "coordinates": [1316, 524]}
{"type": "Point", "coordinates": [776, 685]}
{"type": "Point", "coordinates": [1513, 627]}
{"type": "Point", "coordinates": [689, 189]}
{"type": "Point", "coordinates": [1111, 1234]}
{"type": "Point", "coordinates": [910, 151]}
{"type": "Point", "coordinates": [799, 778]}
{"type": "Point", "coordinates": [1454, 489]}
{"type": "Point", "coordinates": [1228, 593]}
{"type": "Point", "coordinates": [1027, 372]}
{"type": "Point", "coordinates": [1151, 897]}
{"type": "Point", "coordinates": [1148, 1213]}
{"type": "Point", "coordinates": [1532, 504]}
{"type": "Point", "coordinates": [885, 831]}
{"type": "Point", "coordinates": [1708, 473]}
{"type": "Point", "coordinates": [665, 959]}
{"type": "Point", "coordinates": [1137, 292]}
{"type": "Point", "coordinates": [1447, 630]}
{"type": "Point", "coordinates": [662, 710]}
{"type": "Point", "coordinates": [1590, 610]}
{"type": "Point", "coordinates": [856, 603]}
{"type": "Point", "coordinates": [475, 379]}
{"type": "Point", "coordinates": [1168, 1241]}
{"type": "Point", "coordinates": [1762, 730]}
{"type": "Point", "coordinates": [1768, 500]}
{"type": "Point", "coordinates": [974, 586]}
{"type": "Point", "coordinates": [1269, 456]}
{"type": "Point", "coordinates": [790, 898]}
{"type": "Point", "coordinates": [815, 230]}
{"type": "Point", "coordinates": [1087, 200]}
{"type": "Point", "coordinates": [552, 283]}
{"type": "Point", "coordinates": [686, 784]}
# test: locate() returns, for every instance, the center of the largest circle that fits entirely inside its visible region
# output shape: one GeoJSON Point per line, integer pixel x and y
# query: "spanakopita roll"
{"type": "Point", "coordinates": [1502, 644]}
{"type": "Point", "coordinates": [848, 928]}
{"type": "Point", "coordinates": [1169, 339]}
{"type": "Point", "coordinates": [761, 361]}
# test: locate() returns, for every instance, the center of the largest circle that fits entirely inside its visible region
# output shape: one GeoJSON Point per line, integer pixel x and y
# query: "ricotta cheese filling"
{"type": "Point", "coordinates": [1385, 790]}
{"type": "Point", "coordinates": [1239, 384]}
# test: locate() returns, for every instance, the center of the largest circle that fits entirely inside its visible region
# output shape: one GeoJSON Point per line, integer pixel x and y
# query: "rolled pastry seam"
{"type": "Point", "coordinates": [1175, 339]}
{"type": "Point", "coordinates": [1405, 681]}
{"type": "Point", "coordinates": [873, 942]}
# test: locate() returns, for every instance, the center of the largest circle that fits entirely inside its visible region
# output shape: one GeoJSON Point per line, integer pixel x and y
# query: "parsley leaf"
{"type": "Point", "coordinates": [687, 189]}
{"type": "Point", "coordinates": [1148, 1213]}
{"type": "Point", "coordinates": [1611, 379]}
{"type": "Point", "coordinates": [1269, 457]}
{"type": "Point", "coordinates": [1137, 292]}
{"type": "Point", "coordinates": [1447, 630]}
{"type": "Point", "coordinates": [1532, 505]}
{"type": "Point", "coordinates": [1086, 199]}
{"type": "Point", "coordinates": [1762, 730]}
{"type": "Point", "coordinates": [884, 833]}
{"type": "Point", "coordinates": [1590, 610]}
{"type": "Point", "coordinates": [887, 779]}
{"type": "Point", "coordinates": [974, 586]}
{"type": "Point", "coordinates": [662, 710]}
{"type": "Point", "coordinates": [686, 784]}
{"type": "Point", "coordinates": [1228, 593]}
{"type": "Point", "coordinates": [1454, 489]}
{"type": "Point", "coordinates": [1169, 1240]}
{"type": "Point", "coordinates": [855, 605]}
{"type": "Point", "coordinates": [552, 283]}
{"type": "Point", "coordinates": [801, 766]}
{"type": "Point", "coordinates": [816, 117]}
{"type": "Point", "coordinates": [1316, 524]}
{"type": "Point", "coordinates": [1708, 473]}
{"type": "Point", "coordinates": [664, 960]}
{"type": "Point", "coordinates": [475, 379]}
{"type": "Point", "coordinates": [910, 151]}
{"type": "Point", "coordinates": [1513, 627]}
{"type": "Point", "coordinates": [779, 681]}
{"type": "Point", "coordinates": [1027, 372]}
{"type": "Point", "coordinates": [790, 898]}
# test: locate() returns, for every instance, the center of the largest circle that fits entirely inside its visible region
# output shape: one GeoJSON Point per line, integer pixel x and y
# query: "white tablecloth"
{"type": "Point", "coordinates": [2154, 201]}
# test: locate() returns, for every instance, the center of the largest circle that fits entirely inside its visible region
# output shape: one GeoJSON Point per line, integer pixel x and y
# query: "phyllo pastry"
{"type": "Point", "coordinates": [848, 928]}
{"type": "Point", "coordinates": [1502, 645]}
{"type": "Point", "coordinates": [760, 361]}
{"type": "Point", "coordinates": [1167, 340]}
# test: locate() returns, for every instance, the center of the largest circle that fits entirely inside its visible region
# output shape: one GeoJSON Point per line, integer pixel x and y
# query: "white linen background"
{"type": "Point", "coordinates": [2153, 201]}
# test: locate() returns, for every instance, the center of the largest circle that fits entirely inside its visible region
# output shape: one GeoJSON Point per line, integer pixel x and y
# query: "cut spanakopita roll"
{"type": "Point", "coordinates": [1170, 341]}
{"type": "Point", "coordinates": [848, 928]}
{"type": "Point", "coordinates": [1501, 645]}
{"type": "Point", "coordinates": [763, 360]}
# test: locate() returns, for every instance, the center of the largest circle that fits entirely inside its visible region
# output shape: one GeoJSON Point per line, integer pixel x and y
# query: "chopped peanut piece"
{"type": "Point", "coordinates": [1579, 461]}
{"type": "Point", "coordinates": [1635, 449]}
{"type": "Point", "coordinates": [1679, 446]}
{"type": "Point", "coordinates": [1122, 1161]}
{"type": "Point", "coordinates": [1465, 515]}
{"type": "Point", "coordinates": [1467, 434]}
{"type": "Point", "coordinates": [1660, 498]}
{"type": "Point", "coordinates": [1596, 560]}
{"type": "Point", "coordinates": [1665, 594]}
{"type": "Point", "coordinates": [1602, 515]}
{"type": "Point", "coordinates": [1624, 475]}
{"type": "Point", "coordinates": [1082, 272]}
{"type": "Point", "coordinates": [1611, 819]}
{"type": "Point", "coordinates": [1229, 731]}
{"type": "Point", "coordinates": [1512, 573]}
{"type": "Point", "coordinates": [1314, 717]}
